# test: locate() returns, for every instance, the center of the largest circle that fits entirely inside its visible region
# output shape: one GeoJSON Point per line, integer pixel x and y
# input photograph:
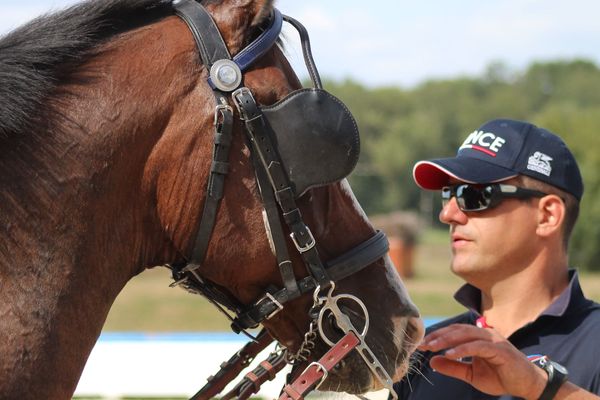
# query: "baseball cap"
{"type": "Point", "coordinates": [501, 149]}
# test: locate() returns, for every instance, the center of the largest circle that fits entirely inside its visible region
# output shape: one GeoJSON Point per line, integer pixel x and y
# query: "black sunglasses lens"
{"type": "Point", "coordinates": [472, 198]}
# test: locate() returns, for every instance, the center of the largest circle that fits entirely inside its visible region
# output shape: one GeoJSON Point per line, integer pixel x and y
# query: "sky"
{"type": "Point", "coordinates": [404, 43]}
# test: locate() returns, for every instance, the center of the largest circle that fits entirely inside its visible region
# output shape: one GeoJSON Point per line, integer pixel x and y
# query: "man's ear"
{"type": "Point", "coordinates": [551, 214]}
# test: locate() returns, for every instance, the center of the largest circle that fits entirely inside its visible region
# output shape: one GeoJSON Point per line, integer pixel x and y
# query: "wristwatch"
{"type": "Point", "coordinates": [557, 375]}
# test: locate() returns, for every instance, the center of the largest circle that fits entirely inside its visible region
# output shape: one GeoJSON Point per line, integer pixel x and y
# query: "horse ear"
{"type": "Point", "coordinates": [259, 8]}
{"type": "Point", "coordinates": [235, 17]}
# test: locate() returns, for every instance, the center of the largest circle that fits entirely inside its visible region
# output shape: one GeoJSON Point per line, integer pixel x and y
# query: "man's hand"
{"type": "Point", "coordinates": [496, 366]}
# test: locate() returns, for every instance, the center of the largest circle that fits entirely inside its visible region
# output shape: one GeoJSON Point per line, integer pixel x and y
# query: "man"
{"type": "Point", "coordinates": [511, 198]}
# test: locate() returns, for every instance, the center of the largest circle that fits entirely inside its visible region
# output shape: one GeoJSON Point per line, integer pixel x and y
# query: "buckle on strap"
{"type": "Point", "coordinates": [219, 109]}
{"type": "Point", "coordinates": [258, 312]}
{"type": "Point", "coordinates": [311, 241]}
{"type": "Point", "coordinates": [239, 96]}
{"type": "Point", "coordinates": [304, 382]}
{"type": "Point", "coordinates": [275, 301]}
{"type": "Point", "coordinates": [320, 367]}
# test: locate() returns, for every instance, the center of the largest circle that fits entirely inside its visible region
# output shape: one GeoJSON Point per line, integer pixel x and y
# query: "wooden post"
{"type": "Point", "coordinates": [402, 255]}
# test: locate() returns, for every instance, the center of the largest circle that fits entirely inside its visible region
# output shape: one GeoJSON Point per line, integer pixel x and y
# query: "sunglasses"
{"type": "Point", "coordinates": [471, 197]}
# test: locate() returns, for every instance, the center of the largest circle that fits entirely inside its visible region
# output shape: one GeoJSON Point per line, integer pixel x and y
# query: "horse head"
{"type": "Point", "coordinates": [110, 157]}
{"type": "Point", "coordinates": [250, 269]}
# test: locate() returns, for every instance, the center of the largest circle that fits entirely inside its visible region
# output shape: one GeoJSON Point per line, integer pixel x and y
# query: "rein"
{"type": "Point", "coordinates": [278, 191]}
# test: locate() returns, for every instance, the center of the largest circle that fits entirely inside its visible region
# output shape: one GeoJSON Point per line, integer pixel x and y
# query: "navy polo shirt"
{"type": "Point", "coordinates": [568, 332]}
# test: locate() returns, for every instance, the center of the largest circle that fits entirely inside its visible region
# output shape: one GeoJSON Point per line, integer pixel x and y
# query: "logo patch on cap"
{"type": "Point", "coordinates": [540, 162]}
{"type": "Point", "coordinates": [486, 142]}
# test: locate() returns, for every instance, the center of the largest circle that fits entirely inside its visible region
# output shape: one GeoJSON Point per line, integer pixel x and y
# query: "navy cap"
{"type": "Point", "coordinates": [501, 149]}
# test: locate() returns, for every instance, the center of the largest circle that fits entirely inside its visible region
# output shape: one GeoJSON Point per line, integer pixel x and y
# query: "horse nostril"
{"type": "Point", "coordinates": [412, 311]}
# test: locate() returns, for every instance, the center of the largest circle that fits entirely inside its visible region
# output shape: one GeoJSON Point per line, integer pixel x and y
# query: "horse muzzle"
{"type": "Point", "coordinates": [384, 354]}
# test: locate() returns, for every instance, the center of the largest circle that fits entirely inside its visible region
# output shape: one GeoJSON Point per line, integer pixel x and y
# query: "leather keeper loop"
{"type": "Point", "coordinates": [220, 167]}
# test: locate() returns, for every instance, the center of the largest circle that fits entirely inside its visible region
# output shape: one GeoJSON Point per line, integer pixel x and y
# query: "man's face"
{"type": "Point", "coordinates": [491, 244]}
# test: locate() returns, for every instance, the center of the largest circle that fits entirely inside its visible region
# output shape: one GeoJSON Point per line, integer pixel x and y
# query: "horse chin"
{"type": "Point", "coordinates": [350, 376]}
{"type": "Point", "coordinates": [354, 377]}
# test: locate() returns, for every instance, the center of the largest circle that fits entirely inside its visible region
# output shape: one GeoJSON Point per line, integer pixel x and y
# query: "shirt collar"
{"type": "Point", "coordinates": [470, 297]}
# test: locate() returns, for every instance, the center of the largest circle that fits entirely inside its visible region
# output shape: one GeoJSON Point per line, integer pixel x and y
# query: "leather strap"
{"type": "Point", "coordinates": [251, 383]}
{"type": "Point", "coordinates": [306, 51]}
{"type": "Point", "coordinates": [358, 257]}
{"type": "Point", "coordinates": [215, 185]}
{"type": "Point", "coordinates": [262, 43]}
{"type": "Point", "coordinates": [206, 34]}
{"type": "Point", "coordinates": [339, 268]}
{"type": "Point", "coordinates": [316, 372]}
{"type": "Point", "coordinates": [231, 368]}
{"type": "Point", "coordinates": [263, 147]}
{"type": "Point", "coordinates": [557, 375]}
{"type": "Point", "coordinates": [210, 43]}
{"type": "Point", "coordinates": [276, 228]}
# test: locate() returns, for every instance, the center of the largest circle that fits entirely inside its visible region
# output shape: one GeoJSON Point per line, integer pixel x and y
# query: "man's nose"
{"type": "Point", "coordinates": [451, 213]}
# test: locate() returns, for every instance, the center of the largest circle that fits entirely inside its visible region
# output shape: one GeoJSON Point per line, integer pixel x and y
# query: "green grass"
{"type": "Point", "coordinates": [148, 303]}
{"type": "Point", "coordinates": [432, 286]}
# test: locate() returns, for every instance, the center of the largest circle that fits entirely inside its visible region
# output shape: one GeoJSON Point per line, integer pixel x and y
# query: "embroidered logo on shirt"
{"type": "Point", "coordinates": [540, 162]}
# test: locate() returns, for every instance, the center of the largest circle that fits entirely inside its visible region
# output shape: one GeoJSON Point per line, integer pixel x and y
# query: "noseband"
{"type": "Point", "coordinates": [278, 137]}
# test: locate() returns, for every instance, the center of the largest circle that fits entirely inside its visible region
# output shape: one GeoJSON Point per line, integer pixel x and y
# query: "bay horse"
{"type": "Point", "coordinates": [107, 138]}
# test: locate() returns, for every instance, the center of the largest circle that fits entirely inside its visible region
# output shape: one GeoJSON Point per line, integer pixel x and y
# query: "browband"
{"type": "Point", "coordinates": [210, 43]}
{"type": "Point", "coordinates": [261, 44]}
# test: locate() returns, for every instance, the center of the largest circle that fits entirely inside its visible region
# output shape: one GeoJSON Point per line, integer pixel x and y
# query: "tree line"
{"type": "Point", "coordinates": [401, 126]}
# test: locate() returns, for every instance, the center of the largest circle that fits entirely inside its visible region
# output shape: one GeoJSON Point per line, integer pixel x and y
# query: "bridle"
{"type": "Point", "coordinates": [279, 187]}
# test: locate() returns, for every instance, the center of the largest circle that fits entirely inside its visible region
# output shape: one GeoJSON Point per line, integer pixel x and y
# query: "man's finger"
{"type": "Point", "coordinates": [452, 368]}
{"type": "Point", "coordinates": [484, 349]}
{"type": "Point", "coordinates": [453, 335]}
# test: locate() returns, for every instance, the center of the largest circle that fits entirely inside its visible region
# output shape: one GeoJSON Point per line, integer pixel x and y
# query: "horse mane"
{"type": "Point", "coordinates": [36, 57]}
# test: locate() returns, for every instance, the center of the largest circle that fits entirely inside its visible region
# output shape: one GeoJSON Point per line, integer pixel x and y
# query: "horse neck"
{"type": "Point", "coordinates": [63, 260]}
{"type": "Point", "coordinates": [77, 214]}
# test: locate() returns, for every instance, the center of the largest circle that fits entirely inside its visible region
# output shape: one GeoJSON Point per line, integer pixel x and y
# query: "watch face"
{"type": "Point", "coordinates": [559, 368]}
